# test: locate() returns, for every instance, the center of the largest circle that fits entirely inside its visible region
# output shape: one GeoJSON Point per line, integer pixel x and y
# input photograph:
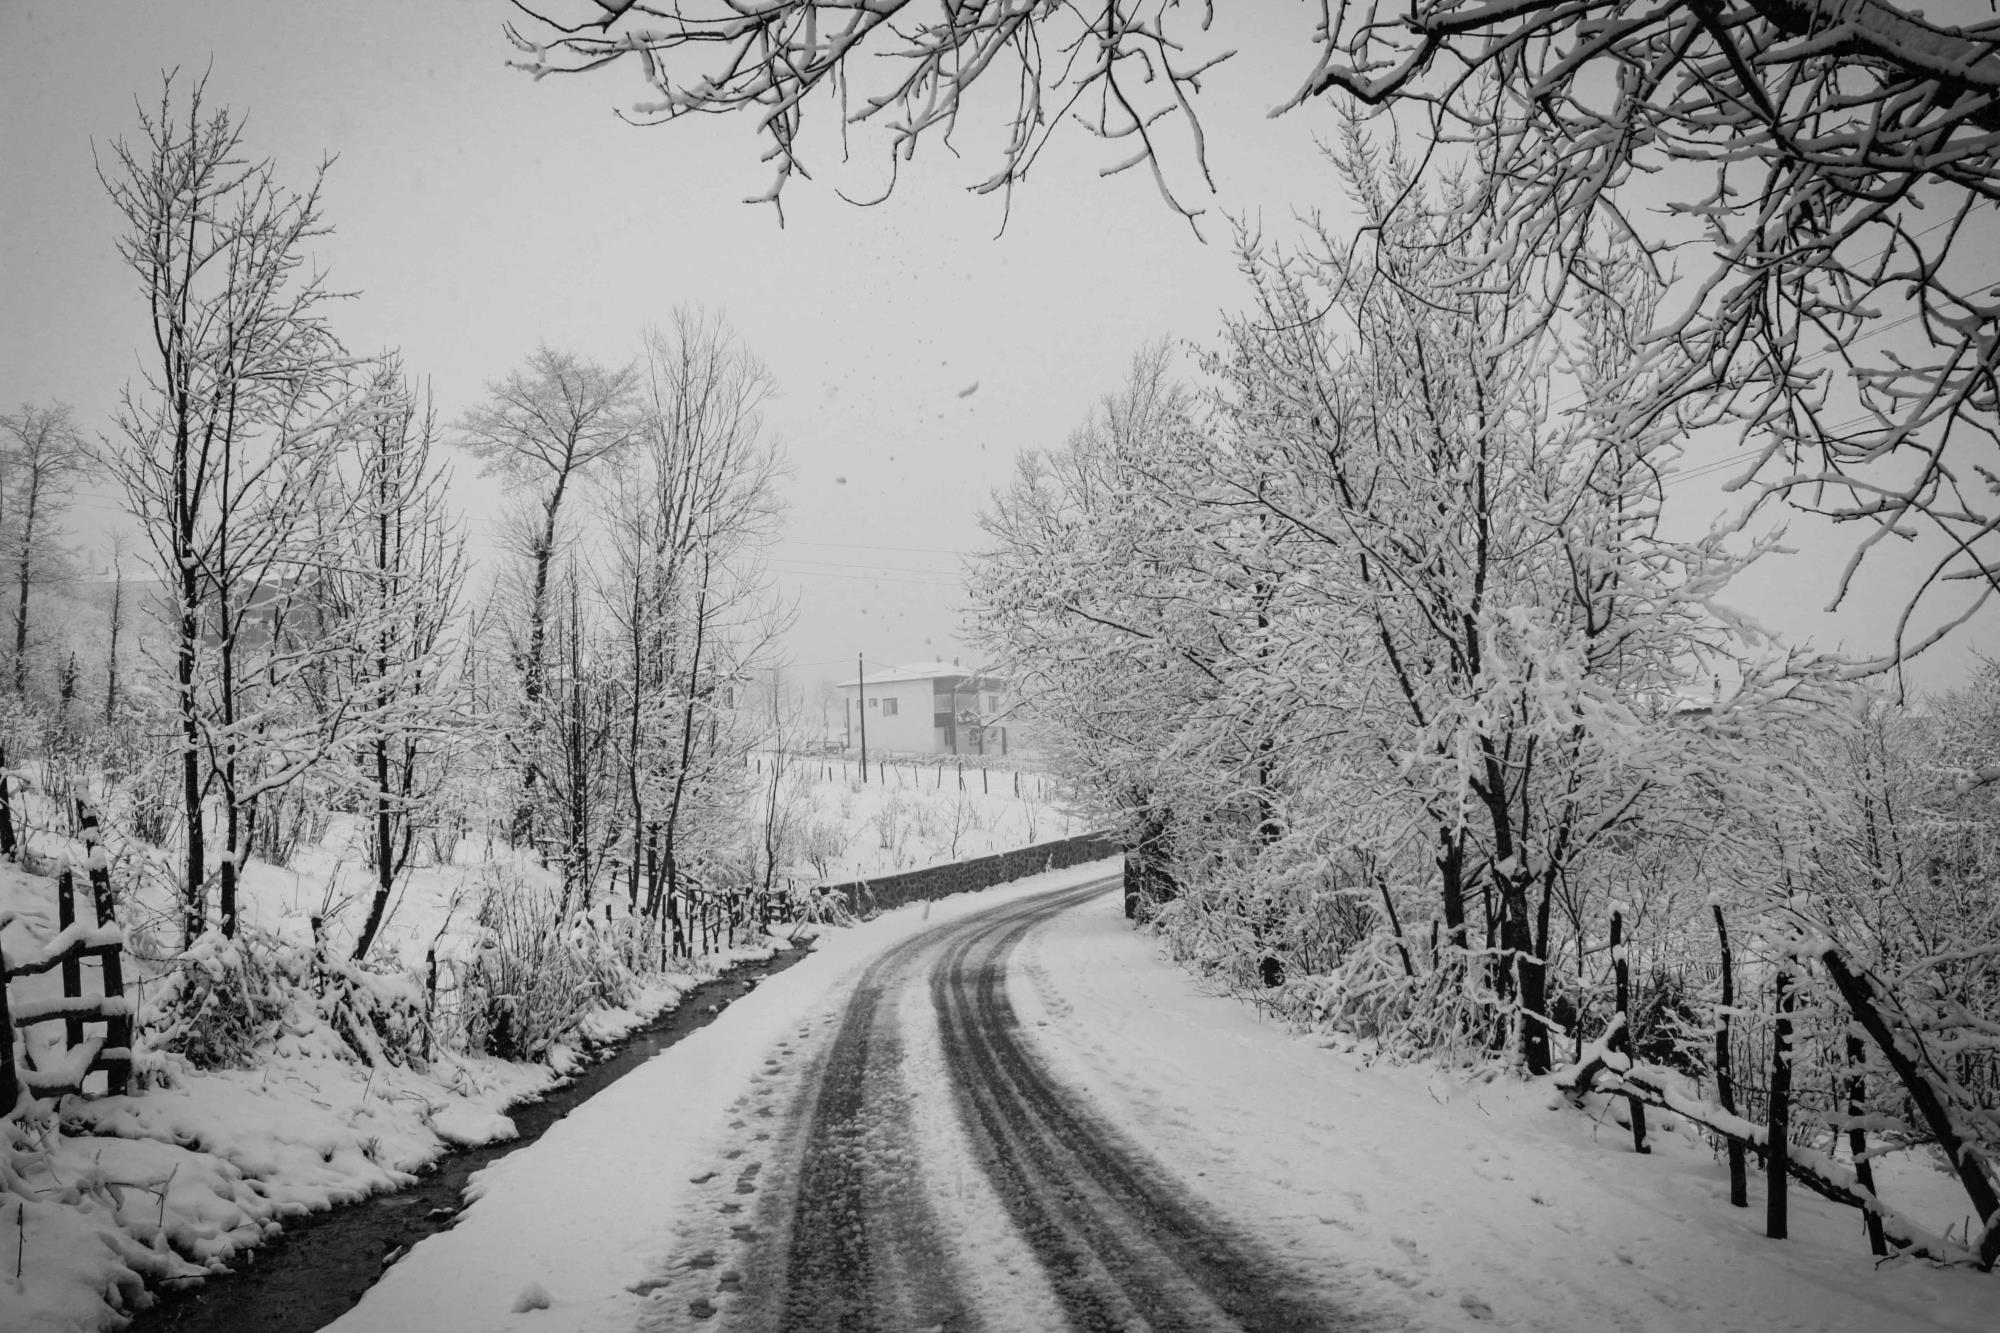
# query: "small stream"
{"type": "Point", "coordinates": [320, 1265]}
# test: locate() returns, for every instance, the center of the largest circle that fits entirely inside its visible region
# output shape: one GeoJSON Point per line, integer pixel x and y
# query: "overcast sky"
{"type": "Point", "coordinates": [477, 213]}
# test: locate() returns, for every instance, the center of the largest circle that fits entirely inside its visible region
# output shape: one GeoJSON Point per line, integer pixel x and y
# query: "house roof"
{"type": "Point", "coordinates": [938, 670]}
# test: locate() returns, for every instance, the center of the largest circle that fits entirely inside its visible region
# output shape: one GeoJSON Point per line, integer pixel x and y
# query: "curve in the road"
{"type": "Point", "coordinates": [859, 1246]}
{"type": "Point", "coordinates": [1118, 1239]}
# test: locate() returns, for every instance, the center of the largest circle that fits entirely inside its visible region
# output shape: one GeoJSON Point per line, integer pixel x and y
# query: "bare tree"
{"type": "Point", "coordinates": [1833, 156]}
{"type": "Point", "coordinates": [1116, 68]}
{"type": "Point", "coordinates": [684, 586]}
{"type": "Point", "coordinates": [391, 595]}
{"type": "Point", "coordinates": [543, 428]}
{"type": "Point", "coordinates": [42, 453]}
{"type": "Point", "coordinates": [227, 454]}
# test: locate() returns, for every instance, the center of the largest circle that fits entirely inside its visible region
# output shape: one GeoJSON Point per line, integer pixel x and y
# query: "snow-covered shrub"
{"type": "Point", "coordinates": [224, 1000]}
{"type": "Point", "coordinates": [221, 999]}
{"type": "Point", "coordinates": [892, 821]}
{"type": "Point", "coordinates": [382, 1016]}
{"type": "Point", "coordinates": [823, 843]}
{"type": "Point", "coordinates": [536, 976]}
{"type": "Point", "coordinates": [825, 907]}
{"type": "Point", "coordinates": [144, 799]}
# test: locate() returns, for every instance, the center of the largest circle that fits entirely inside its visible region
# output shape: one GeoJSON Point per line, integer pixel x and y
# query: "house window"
{"type": "Point", "coordinates": [874, 703]}
{"type": "Point", "coordinates": [992, 703]}
{"type": "Point", "coordinates": [888, 708]}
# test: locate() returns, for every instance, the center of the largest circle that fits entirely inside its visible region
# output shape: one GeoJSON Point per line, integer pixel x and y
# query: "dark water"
{"type": "Point", "coordinates": [320, 1265]}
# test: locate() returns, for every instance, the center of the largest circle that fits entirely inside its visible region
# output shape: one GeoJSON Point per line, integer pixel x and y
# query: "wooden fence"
{"type": "Point", "coordinates": [76, 943]}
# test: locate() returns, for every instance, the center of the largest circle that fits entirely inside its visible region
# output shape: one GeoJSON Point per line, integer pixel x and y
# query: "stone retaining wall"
{"type": "Point", "coordinates": [869, 896]}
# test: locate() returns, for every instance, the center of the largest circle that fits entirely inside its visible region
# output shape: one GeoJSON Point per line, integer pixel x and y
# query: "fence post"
{"type": "Point", "coordinates": [10, 1083]}
{"type": "Point", "coordinates": [72, 966]}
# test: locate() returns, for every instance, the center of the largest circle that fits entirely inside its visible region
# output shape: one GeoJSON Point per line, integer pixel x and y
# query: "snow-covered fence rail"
{"type": "Point", "coordinates": [75, 943]}
{"type": "Point", "coordinates": [868, 896]}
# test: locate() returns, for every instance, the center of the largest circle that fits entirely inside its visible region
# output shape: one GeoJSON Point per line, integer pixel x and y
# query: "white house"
{"type": "Point", "coordinates": [927, 708]}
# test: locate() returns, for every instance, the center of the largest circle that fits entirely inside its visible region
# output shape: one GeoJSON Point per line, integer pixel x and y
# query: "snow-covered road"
{"type": "Point", "coordinates": [1007, 1112]}
{"type": "Point", "coordinates": [868, 1202]}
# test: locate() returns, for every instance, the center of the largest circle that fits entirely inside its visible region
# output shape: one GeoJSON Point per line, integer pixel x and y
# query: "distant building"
{"type": "Point", "coordinates": [928, 708]}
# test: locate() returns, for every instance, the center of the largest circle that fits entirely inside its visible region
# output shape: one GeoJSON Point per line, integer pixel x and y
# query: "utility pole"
{"type": "Point", "coordinates": [861, 707]}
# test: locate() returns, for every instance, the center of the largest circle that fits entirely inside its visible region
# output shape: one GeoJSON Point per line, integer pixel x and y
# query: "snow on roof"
{"type": "Point", "coordinates": [937, 670]}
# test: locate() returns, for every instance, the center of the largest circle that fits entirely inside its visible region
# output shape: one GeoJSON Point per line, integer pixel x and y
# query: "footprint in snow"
{"type": "Point", "coordinates": [1475, 1307]}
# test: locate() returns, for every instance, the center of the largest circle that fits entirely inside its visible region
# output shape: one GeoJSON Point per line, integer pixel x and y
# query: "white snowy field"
{"type": "Point", "coordinates": [1439, 1202]}
{"type": "Point", "coordinates": [913, 814]}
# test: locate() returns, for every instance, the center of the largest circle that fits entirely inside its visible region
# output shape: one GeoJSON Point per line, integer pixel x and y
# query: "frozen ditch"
{"type": "Point", "coordinates": [323, 1263]}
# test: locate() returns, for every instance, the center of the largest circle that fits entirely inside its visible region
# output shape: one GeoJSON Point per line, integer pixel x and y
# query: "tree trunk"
{"type": "Point", "coordinates": [1621, 1040]}
{"type": "Point", "coordinates": [1857, 1141]}
{"type": "Point", "coordinates": [1778, 1143]}
{"type": "Point", "coordinates": [195, 894]}
{"type": "Point", "coordinates": [117, 628]}
{"type": "Point", "coordinates": [1451, 879]}
{"type": "Point", "coordinates": [1517, 942]}
{"type": "Point", "coordinates": [21, 607]}
{"type": "Point", "coordinates": [1389, 906]}
{"type": "Point", "coordinates": [6, 821]}
{"type": "Point", "coordinates": [1725, 1075]}
{"type": "Point", "coordinates": [385, 862]}
{"type": "Point", "coordinates": [1966, 1160]}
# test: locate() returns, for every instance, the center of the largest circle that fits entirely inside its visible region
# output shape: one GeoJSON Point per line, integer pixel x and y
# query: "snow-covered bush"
{"type": "Point", "coordinates": [225, 1002]}
{"type": "Point", "coordinates": [824, 842]}
{"type": "Point", "coordinates": [222, 999]}
{"type": "Point", "coordinates": [893, 819]}
{"type": "Point", "coordinates": [535, 976]}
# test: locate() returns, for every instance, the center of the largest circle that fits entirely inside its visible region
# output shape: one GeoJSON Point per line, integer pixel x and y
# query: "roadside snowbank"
{"type": "Point", "coordinates": [1458, 1204]}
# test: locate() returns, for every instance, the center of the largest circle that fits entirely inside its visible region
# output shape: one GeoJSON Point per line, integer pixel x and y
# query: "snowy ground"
{"type": "Point", "coordinates": [1455, 1204]}
{"type": "Point", "coordinates": [188, 1175]}
{"type": "Point", "coordinates": [910, 814]}
{"type": "Point", "coordinates": [1415, 1198]}
{"type": "Point", "coordinates": [161, 1185]}
{"type": "Point", "coordinates": [562, 1229]}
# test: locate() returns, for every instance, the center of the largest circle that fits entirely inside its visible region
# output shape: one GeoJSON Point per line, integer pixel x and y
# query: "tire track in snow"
{"type": "Point", "coordinates": [1124, 1246]}
{"type": "Point", "coordinates": [854, 1243]}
